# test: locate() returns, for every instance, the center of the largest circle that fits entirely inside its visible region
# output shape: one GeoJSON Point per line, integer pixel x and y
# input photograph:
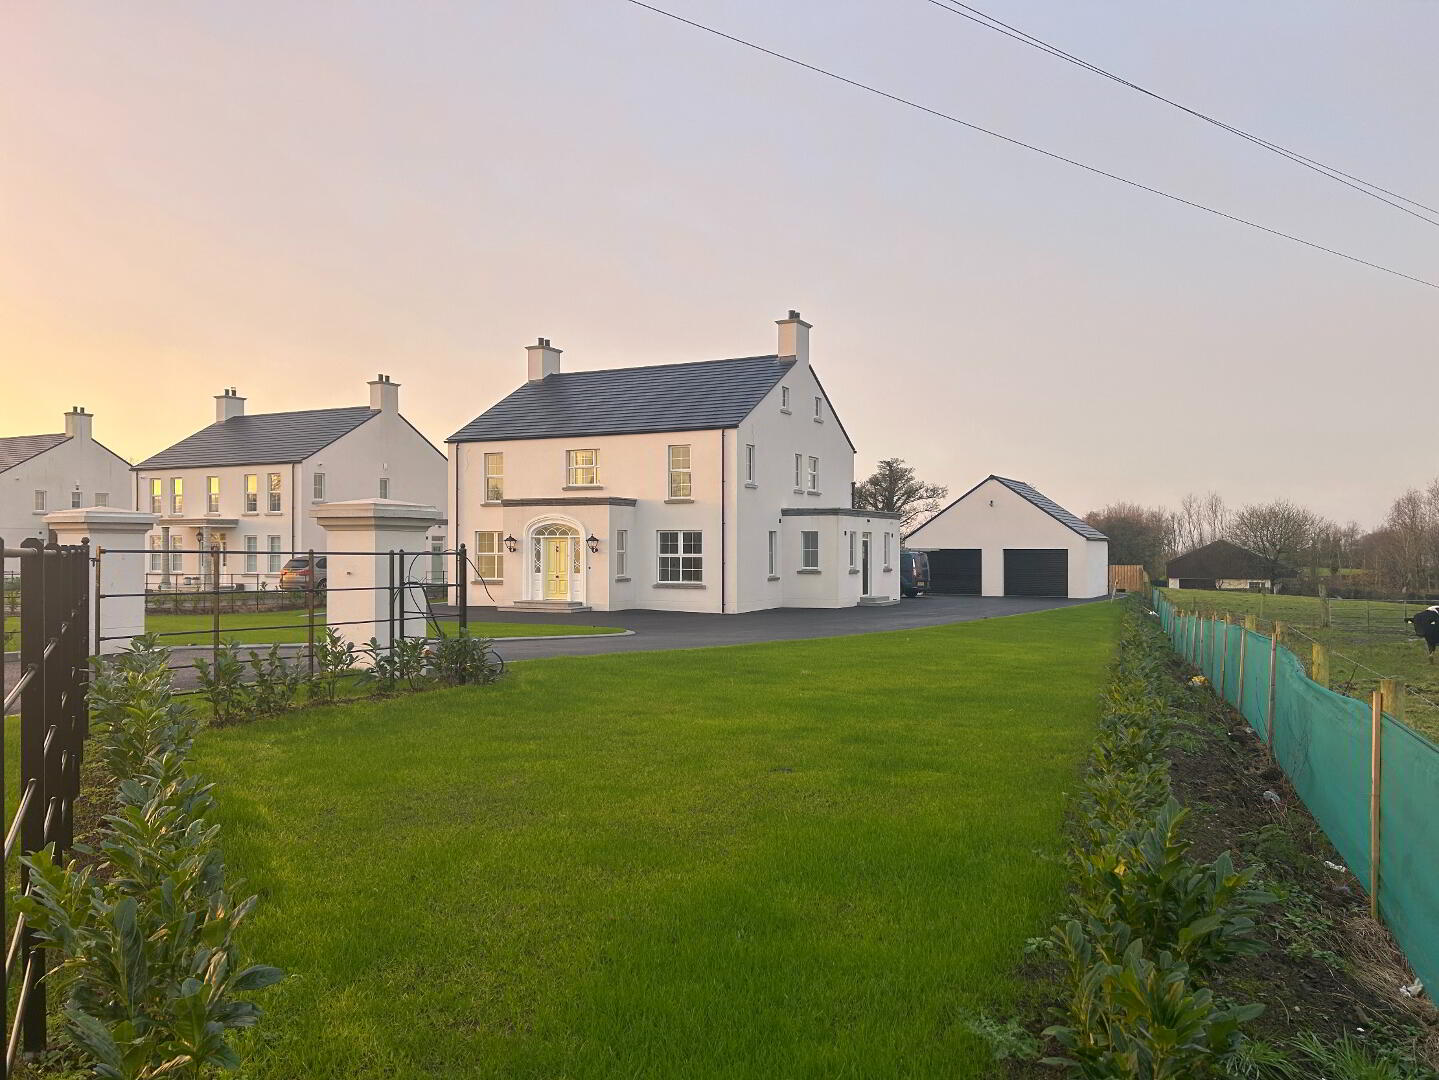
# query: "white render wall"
{"type": "Point", "coordinates": [992, 518]}
{"type": "Point", "coordinates": [734, 514]}
{"type": "Point", "coordinates": [78, 460]}
{"type": "Point", "coordinates": [384, 445]}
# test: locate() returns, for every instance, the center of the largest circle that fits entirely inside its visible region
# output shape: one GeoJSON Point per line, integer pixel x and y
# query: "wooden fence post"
{"type": "Point", "coordinates": [1224, 656]}
{"type": "Point", "coordinates": [1243, 651]}
{"type": "Point", "coordinates": [1251, 622]}
{"type": "Point", "coordinates": [1393, 691]}
{"type": "Point", "coordinates": [1321, 664]}
{"type": "Point", "coordinates": [1273, 679]}
{"type": "Point", "coordinates": [1376, 777]}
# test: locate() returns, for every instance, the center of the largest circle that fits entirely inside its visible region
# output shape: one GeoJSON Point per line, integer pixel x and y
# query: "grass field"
{"type": "Point", "coordinates": [1366, 640]}
{"type": "Point", "coordinates": [799, 859]}
{"type": "Point", "coordinates": [196, 629]}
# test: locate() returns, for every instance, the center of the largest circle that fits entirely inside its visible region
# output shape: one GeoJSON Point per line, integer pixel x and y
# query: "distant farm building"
{"type": "Point", "coordinates": [1222, 564]}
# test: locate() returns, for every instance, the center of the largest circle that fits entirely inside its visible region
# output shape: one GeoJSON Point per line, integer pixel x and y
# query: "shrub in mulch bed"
{"type": "Point", "coordinates": [1210, 931]}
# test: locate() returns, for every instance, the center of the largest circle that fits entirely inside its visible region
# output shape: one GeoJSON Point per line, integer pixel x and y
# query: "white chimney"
{"type": "Point", "coordinates": [78, 423]}
{"type": "Point", "coordinates": [228, 405]}
{"type": "Point", "coordinates": [384, 394]}
{"type": "Point", "coordinates": [544, 359]}
{"type": "Point", "coordinates": [794, 338]}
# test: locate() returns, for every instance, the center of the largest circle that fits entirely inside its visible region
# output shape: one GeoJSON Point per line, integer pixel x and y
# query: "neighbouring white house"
{"type": "Point", "coordinates": [250, 485]}
{"type": "Point", "coordinates": [717, 486]}
{"type": "Point", "coordinates": [1003, 538]}
{"type": "Point", "coordinates": [64, 471]}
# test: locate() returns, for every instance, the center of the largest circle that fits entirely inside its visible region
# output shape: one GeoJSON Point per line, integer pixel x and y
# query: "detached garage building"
{"type": "Point", "coordinates": [1003, 538]}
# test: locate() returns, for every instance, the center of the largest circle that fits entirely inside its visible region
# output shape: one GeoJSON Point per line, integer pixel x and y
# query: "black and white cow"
{"type": "Point", "coordinates": [1426, 625]}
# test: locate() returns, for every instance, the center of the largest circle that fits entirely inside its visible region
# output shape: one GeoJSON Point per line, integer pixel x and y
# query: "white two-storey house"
{"type": "Point", "coordinates": [718, 486]}
{"type": "Point", "coordinates": [62, 471]}
{"type": "Point", "coordinates": [248, 485]}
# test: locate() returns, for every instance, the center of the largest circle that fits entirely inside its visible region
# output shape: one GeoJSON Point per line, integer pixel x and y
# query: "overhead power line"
{"type": "Point", "coordinates": [1052, 155]}
{"type": "Point", "coordinates": [1362, 186]}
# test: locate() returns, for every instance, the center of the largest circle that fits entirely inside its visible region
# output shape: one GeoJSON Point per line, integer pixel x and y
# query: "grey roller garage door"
{"type": "Point", "coordinates": [1036, 572]}
{"type": "Point", "coordinates": [955, 570]}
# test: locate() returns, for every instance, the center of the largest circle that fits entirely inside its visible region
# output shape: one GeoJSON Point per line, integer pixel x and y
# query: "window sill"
{"type": "Point", "coordinates": [818, 419]}
{"type": "Point", "coordinates": [808, 570]}
{"type": "Point", "coordinates": [750, 484]}
{"type": "Point", "coordinates": [889, 569]}
{"type": "Point", "coordinates": [626, 578]}
{"type": "Point", "coordinates": [787, 412]}
{"type": "Point", "coordinates": [679, 585]}
{"type": "Point", "coordinates": [250, 513]}
{"type": "Point", "coordinates": [772, 577]}
{"type": "Point", "coordinates": [316, 502]}
{"type": "Point", "coordinates": [583, 487]}
{"type": "Point", "coordinates": [679, 500]}
{"type": "Point", "coordinates": [854, 570]}
{"type": "Point", "coordinates": [813, 493]}
{"type": "Point", "coordinates": [274, 513]}
{"type": "Point", "coordinates": [799, 491]}
{"type": "Point", "coordinates": [491, 502]}
{"type": "Point", "coordinates": [487, 581]}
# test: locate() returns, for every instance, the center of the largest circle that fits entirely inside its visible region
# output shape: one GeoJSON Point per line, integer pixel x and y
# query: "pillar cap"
{"type": "Point", "coordinates": [377, 514]}
{"type": "Point", "coordinates": [107, 518]}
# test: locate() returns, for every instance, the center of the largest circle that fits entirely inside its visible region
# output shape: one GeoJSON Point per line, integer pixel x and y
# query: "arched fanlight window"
{"type": "Point", "coordinates": [555, 530]}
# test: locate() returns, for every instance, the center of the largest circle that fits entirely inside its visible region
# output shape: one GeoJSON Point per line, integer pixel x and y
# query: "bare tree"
{"type": "Point", "coordinates": [1201, 520]}
{"type": "Point", "coordinates": [893, 487]}
{"type": "Point", "coordinates": [1279, 532]}
{"type": "Point", "coordinates": [1137, 534]}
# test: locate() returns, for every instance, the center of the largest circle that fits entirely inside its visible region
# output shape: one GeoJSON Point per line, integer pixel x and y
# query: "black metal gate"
{"type": "Point", "coordinates": [50, 585]}
{"type": "Point", "coordinates": [1036, 572]}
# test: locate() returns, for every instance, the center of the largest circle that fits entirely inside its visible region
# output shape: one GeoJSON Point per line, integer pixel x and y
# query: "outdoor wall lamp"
{"type": "Point", "coordinates": [511, 543]}
{"type": "Point", "coordinates": [594, 543]}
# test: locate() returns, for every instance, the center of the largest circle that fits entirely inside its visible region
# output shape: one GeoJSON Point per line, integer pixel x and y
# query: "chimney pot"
{"type": "Point", "coordinates": [544, 360]}
{"type": "Point", "coordinates": [228, 405]}
{"type": "Point", "coordinates": [384, 394]}
{"type": "Point", "coordinates": [794, 338]}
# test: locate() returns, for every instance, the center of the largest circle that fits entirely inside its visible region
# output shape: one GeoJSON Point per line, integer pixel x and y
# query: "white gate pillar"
{"type": "Point", "coordinates": [358, 586]}
{"type": "Point", "coordinates": [117, 609]}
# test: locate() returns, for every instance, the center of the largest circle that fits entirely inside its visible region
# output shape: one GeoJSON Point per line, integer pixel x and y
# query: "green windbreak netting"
{"type": "Point", "coordinates": [1409, 847]}
{"type": "Point", "coordinates": [1322, 742]}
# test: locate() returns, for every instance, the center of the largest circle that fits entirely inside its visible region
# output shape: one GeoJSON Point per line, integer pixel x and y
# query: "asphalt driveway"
{"type": "Point", "coordinates": [686, 630]}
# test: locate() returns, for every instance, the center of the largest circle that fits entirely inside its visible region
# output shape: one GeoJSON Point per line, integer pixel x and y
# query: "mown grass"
{"type": "Point", "coordinates": [238, 626]}
{"type": "Point", "coordinates": [1366, 641]}
{"type": "Point", "coordinates": [198, 629]}
{"type": "Point", "coordinates": [798, 859]}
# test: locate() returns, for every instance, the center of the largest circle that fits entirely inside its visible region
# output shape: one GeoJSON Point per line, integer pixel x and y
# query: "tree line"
{"type": "Point", "coordinates": [1401, 556]}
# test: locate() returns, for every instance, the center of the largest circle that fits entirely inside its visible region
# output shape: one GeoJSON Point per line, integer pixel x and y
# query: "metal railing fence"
{"type": "Point", "coordinates": [51, 690]}
{"type": "Point", "coordinates": [416, 603]}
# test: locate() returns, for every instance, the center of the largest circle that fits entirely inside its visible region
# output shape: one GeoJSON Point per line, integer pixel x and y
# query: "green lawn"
{"type": "Point", "coordinates": [196, 629]}
{"type": "Point", "coordinates": [1366, 641]}
{"type": "Point", "coordinates": [799, 859]}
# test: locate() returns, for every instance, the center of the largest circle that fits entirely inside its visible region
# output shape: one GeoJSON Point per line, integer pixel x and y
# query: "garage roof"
{"type": "Point", "coordinates": [1052, 508]}
{"type": "Point", "coordinates": [1031, 495]}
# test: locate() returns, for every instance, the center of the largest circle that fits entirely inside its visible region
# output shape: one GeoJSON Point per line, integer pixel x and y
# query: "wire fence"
{"type": "Point", "coordinates": [1370, 780]}
{"type": "Point", "coordinates": [419, 601]}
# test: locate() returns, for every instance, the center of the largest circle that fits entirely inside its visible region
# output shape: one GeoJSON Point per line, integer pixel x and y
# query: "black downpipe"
{"type": "Point", "coordinates": [724, 532]}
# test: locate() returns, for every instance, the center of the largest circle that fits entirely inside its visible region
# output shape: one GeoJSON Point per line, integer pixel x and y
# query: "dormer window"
{"type": "Point", "coordinates": [582, 468]}
{"type": "Point", "coordinates": [784, 399]}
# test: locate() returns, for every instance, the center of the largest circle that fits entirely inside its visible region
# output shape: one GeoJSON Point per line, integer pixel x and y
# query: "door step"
{"type": "Point", "coordinates": [557, 607]}
{"type": "Point", "coordinates": [876, 601]}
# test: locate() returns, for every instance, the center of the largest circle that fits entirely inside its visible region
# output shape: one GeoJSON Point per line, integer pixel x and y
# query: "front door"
{"type": "Point", "coordinates": [557, 568]}
{"type": "Point", "coordinates": [864, 545]}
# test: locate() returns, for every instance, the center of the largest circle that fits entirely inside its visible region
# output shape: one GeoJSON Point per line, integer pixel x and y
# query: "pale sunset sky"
{"type": "Point", "coordinates": [290, 198]}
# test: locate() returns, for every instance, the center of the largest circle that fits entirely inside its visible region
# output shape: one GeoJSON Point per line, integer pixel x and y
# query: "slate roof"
{"type": "Point", "coordinates": [1034, 497]}
{"type": "Point", "coordinates": [626, 401]}
{"type": "Point", "coordinates": [18, 448]}
{"type": "Point", "coordinates": [264, 438]}
{"type": "Point", "coordinates": [1052, 508]}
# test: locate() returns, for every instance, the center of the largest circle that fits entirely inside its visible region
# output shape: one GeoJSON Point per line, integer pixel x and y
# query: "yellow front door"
{"type": "Point", "coordinates": [557, 568]}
